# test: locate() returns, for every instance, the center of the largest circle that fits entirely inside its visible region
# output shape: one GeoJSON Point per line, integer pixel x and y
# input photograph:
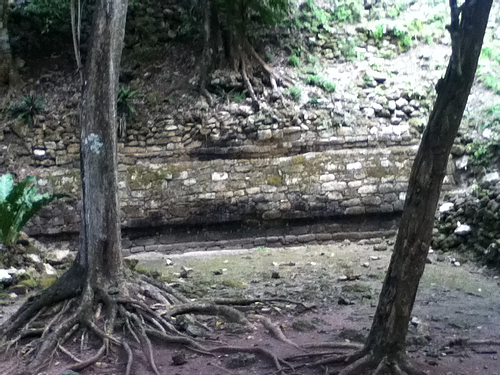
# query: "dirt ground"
{"type": "Point", "coordinates": [340, 283]}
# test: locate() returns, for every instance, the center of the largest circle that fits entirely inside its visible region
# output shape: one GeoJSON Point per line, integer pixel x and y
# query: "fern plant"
{"type": "Point", "coordinates": [124, 102]}
{"type": "Point", "coordinates": [27, 108]}
{"type": "Point", "coordinates": [125, 108]}
{"type": "Point", "coordinates": [19, 203]}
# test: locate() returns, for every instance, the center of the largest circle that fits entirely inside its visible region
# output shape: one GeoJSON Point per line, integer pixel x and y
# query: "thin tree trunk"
{"type": "Point", "coordinates": [207, 54]}
{"type": "Point", "coordinates": [100, 251]}
{"type": "Point", "coordinates": [388, 334]}
{"type": "Point", "coordinates": [75, 24]}
{"type": "Point", "coordinates": [7, 73]}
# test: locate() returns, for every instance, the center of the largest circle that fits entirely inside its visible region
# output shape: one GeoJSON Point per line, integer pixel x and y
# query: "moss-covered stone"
{"type": "Point", "coordinates": [30, 283]}
{"type": "Point", "coordinates": [274, 180]}
{"type": "Point", "coordinates": [142, 270]}
{"type": "Point", "coordinates": [233, 283]}
{"type": "Point", "coordinates": [131, 263]}
{"type": "Point", "coordinates": [47, 281]}
{"type": "Point", "coordinates": [298, 160]}
{"type": "Point", "coordinates": [141, 178]}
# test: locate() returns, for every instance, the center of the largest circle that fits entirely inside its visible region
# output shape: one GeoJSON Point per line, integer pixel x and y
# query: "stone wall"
{"type": "Point", "coordinates": [226, 166]}
{"type": "Point", "coordinates": [234, 132]}
{"type": "Point", "coordinates": [313, 185]}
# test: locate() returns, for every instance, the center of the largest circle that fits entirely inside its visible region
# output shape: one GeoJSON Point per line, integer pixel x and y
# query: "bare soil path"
{"type": "Point", "coordinates": [342, 282]}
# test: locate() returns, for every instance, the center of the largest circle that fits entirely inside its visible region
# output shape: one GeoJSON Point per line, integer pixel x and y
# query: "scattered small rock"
{"type": "Point", "coordinates": [185, 271]}
{"type": "Point", "coordinates": [344, 301]}
{"type": "Point", "coordinates": [55, 257]}
{"type": "Point", "coordinates": [446, 207]}
{"type": "Point", "coordinates": [380, 247]}
{"type": "Point", "coordinates": [69, 372]}
{"type": "Point", "coordinates": [5, 276]}
{"type": "Point", "coordinates": [179, 359]}
{"type": "Point", "coordinates": [49, 270]}
{"type": "Point", "coordinates": [303, 325]}
{"type": "Point", "coordinates": [240, 360]}
{"type": "Point", "coordinates": [462, 229]}
{"type": "Point", "coordinates": [19, 289]}
{"type": "Point", "coordinates": [35, 258]}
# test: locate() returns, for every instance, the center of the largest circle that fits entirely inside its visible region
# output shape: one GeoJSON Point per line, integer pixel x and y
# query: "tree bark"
{"type": "Point", "coordinates": [388, 333]}
{"type": "Point", "coordinates": [100, 247]}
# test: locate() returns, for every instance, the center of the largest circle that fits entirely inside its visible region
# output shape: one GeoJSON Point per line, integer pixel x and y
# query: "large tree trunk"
{"type": "Point", "coordinates": [100, 246]}
{"type": "Point", "coordinates": [6, 65]}
{"type": "Point", "coordinates": [388, 333]}
{"type": "Point", "coordinates": [97, 280]}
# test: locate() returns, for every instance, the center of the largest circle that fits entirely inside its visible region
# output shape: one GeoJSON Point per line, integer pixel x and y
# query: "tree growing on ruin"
{"type": "Point", "coordinates": [226, 40]}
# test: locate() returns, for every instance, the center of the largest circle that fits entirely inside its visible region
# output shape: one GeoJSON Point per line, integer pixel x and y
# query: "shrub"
{"type": "Point", "coordinates": [314, 80]}
{"type": "Point", "coordinates": [388, 54]}
{"type": "Point", "coordinates": [404, 37]}
{"type": "Point", "coordinates": [124, 104]}
{"type": "Point", "coordinates": [19, 203]}
{"type": "Point", "coordinates": [27, 108]}
{"type": "Point", "coordinates": [349, 12]}
{"type": "Point", "coordinates": [396, 10]}
{"type": "Point", "coordinates": [239, 97]}
{"type": "Point", "coordinates": [378, 33]}
{"type": "Point", "coordinates": [125, 108]}
{"type": "Point", "coordinates": [295, 92]}
{"type": "Point", "coordinates": [348, 49]}
{"type": "Point", "coordinates": [329, 86]}
{"type": "Point", "coordinates": [483, 154]}
{"type": "Point", "coordinates": [491, 82]}
{"type": "Point", "coordinates": [312, 59]}
{"type": "Point", "coordinates": [294, 60]}
{"type": "Point", "coordinates": [438, 20]}
{"type": "Point", "coordinates": [313, 17]}
{"type": "Point", "coordinates": [494, 111]}
{"type": "Point", "coordinates": [416, 25]}
{"type": "Point", "coordinates": [314, 101]}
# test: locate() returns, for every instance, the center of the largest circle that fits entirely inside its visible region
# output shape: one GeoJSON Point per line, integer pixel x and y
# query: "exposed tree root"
{"type": "Point", "coordinates": [220, 368]}
{"type": "Point", "coordinates": [144, 309]}
{"type": "Point", "coordinates": [461, 341]}
{"type": "Point", "coordinates": [333, 345]}
{"type": "Point", "coordinates": [275, 330]}
{"type": "Point", "coordinates": [277, 362]}
{"type": "Point", "coordinates": [361, 362]}
{"type": "Point", "coordinates": [370, 365]}
{"type": "Point", "coordinates": [248, 84]}
{"type": "Point", "coordinates": [249, 301]}
{"type": "Point", "coordinates": [229, 313]}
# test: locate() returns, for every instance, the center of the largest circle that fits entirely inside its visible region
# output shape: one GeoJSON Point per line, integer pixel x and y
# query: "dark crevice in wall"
{"type": "Point", "coordinates": [247, 234]}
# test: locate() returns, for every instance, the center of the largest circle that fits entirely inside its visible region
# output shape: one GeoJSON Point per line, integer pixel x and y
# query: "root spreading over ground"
{"type": "Point", "coordinates": [143, 312]}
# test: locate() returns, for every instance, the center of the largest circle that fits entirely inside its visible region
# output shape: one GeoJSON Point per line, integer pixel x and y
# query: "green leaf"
{"type": "Point", "coordinates": [20, 190]}
{"type": "Point", "coordinates": [21, 202]}
{"type": "Point", "coordinates": [6, 185]}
